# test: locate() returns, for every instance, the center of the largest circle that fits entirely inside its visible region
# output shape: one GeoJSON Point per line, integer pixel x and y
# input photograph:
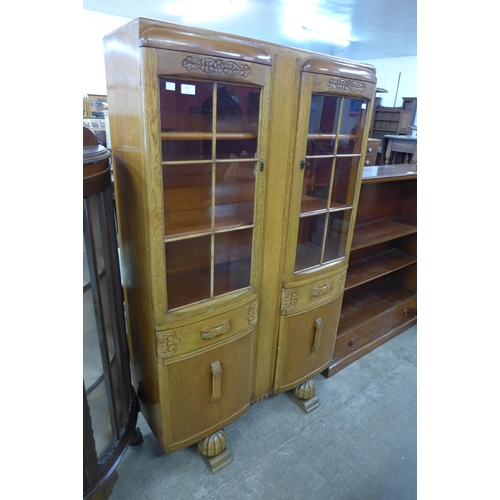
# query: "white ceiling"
{"type": "Point", "coordinates": [378, 28]}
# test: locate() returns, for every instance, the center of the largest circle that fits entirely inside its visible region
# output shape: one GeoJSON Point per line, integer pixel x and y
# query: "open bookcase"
{"type": "Point", "coordinates": [380, 297]}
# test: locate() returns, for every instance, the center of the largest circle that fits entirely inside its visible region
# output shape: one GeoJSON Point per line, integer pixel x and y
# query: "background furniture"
{"type": "Point", "coordinates": [95, 115]}
{"type": "Point", "coordinates": [380, 298]}
{"type": "Point", "coordinates": [236, 204]}
{"type": "Point", "coordinates": [393, 120]}
{"type": "Point", "coordinates": [372, 150]}
{"type": "Point", "coordinates": [110, 406]}
{"type": "Point", "coordinates": [398, 149]}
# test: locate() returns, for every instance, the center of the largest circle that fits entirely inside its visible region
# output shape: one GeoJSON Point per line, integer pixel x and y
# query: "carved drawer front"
{"type": "Point", "coordinates": [304, 296]}
{"type": "Point", "coordinates": [207, 391]}
{"type": "Point", "coordinates": [308, 343]}
{"type": "Point", "coordinates": [184, 340]}
{"type": "Point", "coordinates": [349, 341]}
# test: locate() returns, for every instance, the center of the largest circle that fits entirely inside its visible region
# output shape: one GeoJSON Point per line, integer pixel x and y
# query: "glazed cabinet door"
{"type": "Point", "coordinates": [211, 137]}
{"type": "Point", "coordinates": [329, 156]}
{"type": "Point", "coordinates": [207, 136]}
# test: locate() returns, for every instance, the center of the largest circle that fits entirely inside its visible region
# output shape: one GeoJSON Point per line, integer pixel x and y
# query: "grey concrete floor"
{"type": "Point", "coordinates": [360, 443]}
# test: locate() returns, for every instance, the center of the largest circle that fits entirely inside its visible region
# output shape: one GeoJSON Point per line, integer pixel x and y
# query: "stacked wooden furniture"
{"type": "Point", "coordinates": [380, 298]}
{"type": "Point", "coordinates": [237, 170]}
{"type": "Point", "coordinates": [388, 120]}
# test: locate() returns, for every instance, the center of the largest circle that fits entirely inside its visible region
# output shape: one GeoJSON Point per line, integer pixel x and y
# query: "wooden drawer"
{"type": "Point", "coordinates": [296, 299]}
{"type": "Point", "coordinates": [371, 152]}
{"type": "Point", "coordinates": [181, 341]}
{"type": "Point", "coordinates": [306, 344]}
{"type": "Point", "coordinates": [203, 393]}
{"type": "Point", "coordinates": [370, 159]}
{"type": "Point", "coordinates": [360, 335]}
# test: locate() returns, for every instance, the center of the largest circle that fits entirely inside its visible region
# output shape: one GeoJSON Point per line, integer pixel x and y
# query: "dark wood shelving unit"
{"type": "Point", "coordinates": [380, 297]}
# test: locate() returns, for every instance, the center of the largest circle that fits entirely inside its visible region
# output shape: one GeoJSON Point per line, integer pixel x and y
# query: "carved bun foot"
{"type": "Point", "coordinates": [214, 452]}
{"type": "Point", "coordinates": [304, 396]}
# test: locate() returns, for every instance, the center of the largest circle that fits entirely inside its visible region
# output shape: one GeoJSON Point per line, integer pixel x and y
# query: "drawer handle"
{"type": "Point", "coordinates": [216, 370]}
{"type": "Point", "coordinates": [351, 342]}
{"type": "Point", "coordinates": [210, 333]}
{"type": "Point", "coordinates": [318, 328]}
{"type": "Point", "coordinates": [317, 292]}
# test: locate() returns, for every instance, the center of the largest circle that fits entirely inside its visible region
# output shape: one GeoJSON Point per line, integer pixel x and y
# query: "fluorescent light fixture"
{"type": "Point", "coordinates": [194, 11]}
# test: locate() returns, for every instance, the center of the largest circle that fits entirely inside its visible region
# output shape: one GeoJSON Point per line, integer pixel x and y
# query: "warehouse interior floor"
{"type": "Point", "coordinates": [360, 443]}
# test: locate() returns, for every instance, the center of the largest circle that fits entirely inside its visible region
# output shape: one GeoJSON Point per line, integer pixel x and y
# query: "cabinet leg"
{"type": "Point", "coordinates": [138, 438]}
{"type": "Point", "coordinates": [214, 452]}
{"type": "Point", "coordinates": [304, 396]}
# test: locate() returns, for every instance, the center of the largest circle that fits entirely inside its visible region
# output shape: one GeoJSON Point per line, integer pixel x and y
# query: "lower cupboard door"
{"type": "Point", "coordinates": [307, 344]}
{"type": "Point", "coordinates": [205, 392]}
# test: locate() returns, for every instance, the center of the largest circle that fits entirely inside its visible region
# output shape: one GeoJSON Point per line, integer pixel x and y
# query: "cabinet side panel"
{"type": "Point", "coordinates": [122, 59]}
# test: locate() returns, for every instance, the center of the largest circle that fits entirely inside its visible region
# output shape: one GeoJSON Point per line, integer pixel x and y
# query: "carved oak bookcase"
{"type": "Point", "coordinates": [237, 169]}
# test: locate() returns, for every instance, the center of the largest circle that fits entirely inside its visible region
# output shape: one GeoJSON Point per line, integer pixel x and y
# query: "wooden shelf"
{"type": "Point", "coordinates": [206, 136]}
{"type": "Point", "coordinates": [378, 265]}
{"type": "Point", "coordinates": [198, 222]}
{"type": "Point", "coordinates": [329, 137]}
{"type": "Point", "coordinates": [311, 205]}
{"type": "Point", "coordinates": [362, 307]}
{"type": "Point", "coordinates": [383, 230]}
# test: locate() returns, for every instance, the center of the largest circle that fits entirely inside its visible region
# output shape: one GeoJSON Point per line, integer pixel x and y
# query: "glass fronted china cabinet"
{"type": "Point", "coordinates": [237, 170]}
{"type": "Point", "coordinates": [327, 165]}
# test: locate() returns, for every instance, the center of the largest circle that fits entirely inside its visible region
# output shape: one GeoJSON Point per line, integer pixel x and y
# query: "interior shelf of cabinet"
{"type": "Point", "coordinates": [367, 304]}
{"type": "Point", "coordinates": [205, 136]}
{"type": "Point", "coordinates": [312, 204]}
{"type": "Point", "coordinates": [379, 231]}
{"type": "Point", "coordinates": [329, 137]}
{"type": "Point", "coordinates": [198, 221]}
{"type": "Point", "coordinates": [374, 266]}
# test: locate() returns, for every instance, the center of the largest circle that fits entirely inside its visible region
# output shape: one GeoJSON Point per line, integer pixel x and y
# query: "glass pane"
{"type": "Point", "coordinates": [323, 120]}
{"type": "Point", "coordinates": [188, 271]}
{"type": "Point", "coordinates": [233, 251]}
{"type": "Point", "coordinates": [336, 236]}
{"type": "Point", "coordinates": [187, 198]}
{"type": "Point", "coordinates": [237, 121]}
{"type": "Point", "coordinates": [344, 181]}
{"type": "Point", "coordinates": [310, 241]}
{"type": "Point", "coordinates": [316, 184]}
{"type": "Point", "coordinates": [352, 126]}
{"type": "Point", "coordinates": [234, 194]}
{"type": "Point", "coordinates": [186, 119]}
{"type": "Point", "coordinates": [98, 342]}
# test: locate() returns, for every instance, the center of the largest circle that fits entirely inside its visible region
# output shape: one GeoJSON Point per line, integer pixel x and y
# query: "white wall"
{"type": "Point", "coordinates": [389, 71]}
{"type": "Point", "coordinates": [96, 26]}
